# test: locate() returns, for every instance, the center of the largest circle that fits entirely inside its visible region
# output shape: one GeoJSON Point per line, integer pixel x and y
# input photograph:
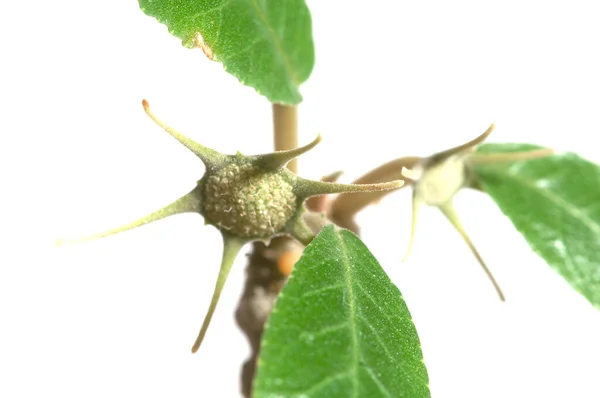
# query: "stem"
{"type": "Point", "coordinates": [285, 129]}
{"type": "Point", "coordinates": [345, 206]}
{"type": "Point", "coordinates": [262, 286]}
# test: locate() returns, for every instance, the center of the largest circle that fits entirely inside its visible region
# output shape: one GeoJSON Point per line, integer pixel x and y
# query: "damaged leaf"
{"type": "Point", "coordinates": [267, 44]}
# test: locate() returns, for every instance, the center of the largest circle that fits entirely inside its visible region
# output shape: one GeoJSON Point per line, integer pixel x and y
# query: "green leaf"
{"type": "Point", "coordinates": [555, 203]}
{"type": "Point", "coordinates": [340, 328]}
{"type": "Point", "coordinates": [266, 44]}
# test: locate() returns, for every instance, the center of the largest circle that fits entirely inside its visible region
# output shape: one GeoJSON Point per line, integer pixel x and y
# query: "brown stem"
{"type": "Point", "coordinates": [345, 206]}
{"type": "Point", "coordinates": [285, 128]}
{"type": "Point", "coordinates": [264, 281]}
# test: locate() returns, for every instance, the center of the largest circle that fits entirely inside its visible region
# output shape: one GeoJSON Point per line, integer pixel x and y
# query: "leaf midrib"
{"type": "Point", "coordinates": [352, 323]}
{"type": "Point", "coordinates": [277, 44]}
{"type": "Point", "coordinates": [561, 203]}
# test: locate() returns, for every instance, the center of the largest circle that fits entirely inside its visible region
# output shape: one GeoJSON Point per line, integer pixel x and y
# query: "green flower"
{"type": "Point", "coordinates": [247, 198]}
{"type": "Point", "coordinates": [435, 180]}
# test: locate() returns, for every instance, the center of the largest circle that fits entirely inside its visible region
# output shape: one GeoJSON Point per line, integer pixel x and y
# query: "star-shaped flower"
{"type": "Point", "coordinates": [247, 198]}
{"type": "Point", "coordinates": [435, 180]}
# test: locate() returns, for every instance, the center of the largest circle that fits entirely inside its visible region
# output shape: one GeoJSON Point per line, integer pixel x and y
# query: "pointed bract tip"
{"type": "Point", "coordinates": [231, 247]}
{"type": "Point", "coordinates": [276, 160]}
{"type": "Point", "coordinates": [379, 186]}
{"type": "Point", "coordinates": [303, 149]}
{"type": "Point", "coordinates": [308, 188]}
{"type": "Point", "coordinates": [208, 156]}
{"type": "Point", "coordinates": [487, 132]}
{"type": "Point", "coordinates": [389, 185]}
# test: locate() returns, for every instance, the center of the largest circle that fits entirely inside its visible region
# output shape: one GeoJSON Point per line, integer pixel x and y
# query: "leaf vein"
{"type": "Point", "coordinates": [557, 200]}
{"type": "Point", "coordinates": [378, 337]}
{"type": "Point", "coordinates": [371, 299]}
{"type": "Point", "coordinates": [220, 7]}
{"type": "Point", "coordinates": [326, 330]}
{"type": "Point", "coordinates": [323, 289]}
{"type": "Point", "coordinates": [276, 42]}
{"type": "Point", "coordinates": [328, 380]}
{"type": "Point", "coordinates": [243, 50]}
{"type": "Point", "coordinates": [374, 377]}
{"type": "Point", "coordinates": [352, 309]}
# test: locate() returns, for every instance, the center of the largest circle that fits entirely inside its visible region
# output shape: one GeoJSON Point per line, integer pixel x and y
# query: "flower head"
{"type": "Point", "coordinates": [246, 198]}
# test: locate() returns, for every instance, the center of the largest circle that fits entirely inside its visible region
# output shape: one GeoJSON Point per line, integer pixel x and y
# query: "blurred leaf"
{"type": "Point", "coordinates": [340, 328]}
{"type": "Point", "coordinates": [266, 44]}
{"type": "Point", "coordinates": [555, 203]}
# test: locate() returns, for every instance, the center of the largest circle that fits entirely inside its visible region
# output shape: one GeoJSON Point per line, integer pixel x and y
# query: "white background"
{"type": "Point", "coordinates": [117, 317]}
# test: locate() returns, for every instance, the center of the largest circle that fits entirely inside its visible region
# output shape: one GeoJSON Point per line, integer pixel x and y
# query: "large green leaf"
{"type": "Point", "coordinates": [340, 328]}
{"type": "Point", "coordinates": [555, 203]}
{"type": "Point", "coordinates": [266, 44]}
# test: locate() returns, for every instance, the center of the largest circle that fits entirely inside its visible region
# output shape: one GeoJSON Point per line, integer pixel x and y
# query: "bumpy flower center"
{"type": "Point", "coordinates": [247, 202]}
